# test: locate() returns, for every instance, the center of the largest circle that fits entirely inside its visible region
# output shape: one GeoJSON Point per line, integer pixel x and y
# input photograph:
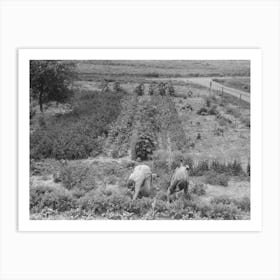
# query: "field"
{"type": "Point", "coordinates": [83, 152]}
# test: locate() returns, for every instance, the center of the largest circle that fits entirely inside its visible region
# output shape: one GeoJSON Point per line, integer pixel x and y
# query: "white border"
{"type": "Point", "coordinates": [254, 55]}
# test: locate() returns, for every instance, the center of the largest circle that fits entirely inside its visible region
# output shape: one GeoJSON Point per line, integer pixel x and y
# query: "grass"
{"type": "Point", "coordinates": [240, 83]}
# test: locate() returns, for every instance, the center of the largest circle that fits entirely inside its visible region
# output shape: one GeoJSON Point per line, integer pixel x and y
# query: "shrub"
{"type": "Point", "coordinates": [214, 178]}
{"type": "Point", "coordinates": [117, 86]}
{"type": "Point", "coordinates": [205, 111]}
{"type": "Point", "coordinates": [202, 111]}
{"type": "Point", "coordinates": [42, 197]}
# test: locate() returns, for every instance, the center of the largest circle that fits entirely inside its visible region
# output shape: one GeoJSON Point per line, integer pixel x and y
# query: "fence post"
{"type": "Point", "coordinates": [210, 88]}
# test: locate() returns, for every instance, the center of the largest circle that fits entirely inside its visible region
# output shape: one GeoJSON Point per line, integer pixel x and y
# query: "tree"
{"type": "Point", "coordinates": [50, 80]}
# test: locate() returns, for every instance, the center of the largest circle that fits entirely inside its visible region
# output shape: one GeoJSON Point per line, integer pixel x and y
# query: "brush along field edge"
{"type": "Point", "coordinates": [254, 55]}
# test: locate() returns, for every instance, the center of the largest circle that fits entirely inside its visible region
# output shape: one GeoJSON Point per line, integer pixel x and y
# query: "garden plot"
{"type": "Point", "coordinates": [97, 139]}
{"type": "Point", "coordinates": [223, 135]}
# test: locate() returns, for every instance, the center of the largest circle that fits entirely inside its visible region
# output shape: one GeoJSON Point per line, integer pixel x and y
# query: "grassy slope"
{"type": "Point", "coordinates": [240, 83]}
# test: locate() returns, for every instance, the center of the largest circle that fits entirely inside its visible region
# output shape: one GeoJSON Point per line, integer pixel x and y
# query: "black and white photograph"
{"type": "Point", "coordinates": [139, 139]}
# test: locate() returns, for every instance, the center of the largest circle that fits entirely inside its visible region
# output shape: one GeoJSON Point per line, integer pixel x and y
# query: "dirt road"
{"type": "Point", "coordinates": [205, 81]}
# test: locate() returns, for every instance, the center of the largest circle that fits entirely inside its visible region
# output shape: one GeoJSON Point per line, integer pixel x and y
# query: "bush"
{"type": "Point", "coordinates": [42, 197]}
{"type": "Point", "coordinates": [117, 86]}
{"type": "Point", "coordinates": [202, 111]}
{"type": "Point", "coordinates": [214, 178]}
{"type": "Point", "coordinates": [211, 111]}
